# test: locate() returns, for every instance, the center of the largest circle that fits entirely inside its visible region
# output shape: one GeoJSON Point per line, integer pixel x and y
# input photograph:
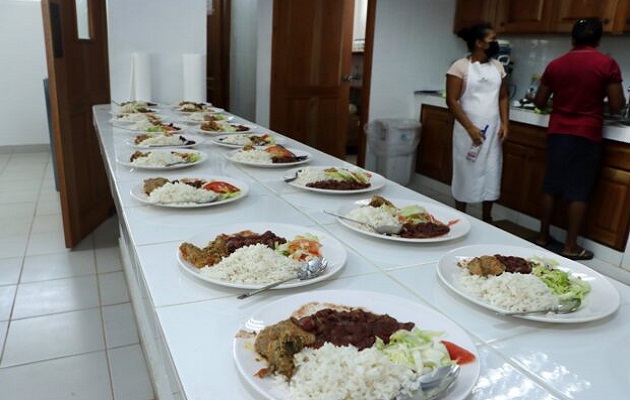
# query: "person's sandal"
{"type": "Point", "coordinates": [583, 254]}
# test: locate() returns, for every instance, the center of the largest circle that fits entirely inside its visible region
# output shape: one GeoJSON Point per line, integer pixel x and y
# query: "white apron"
{"type": "Point", "coordinates": [480, 180]}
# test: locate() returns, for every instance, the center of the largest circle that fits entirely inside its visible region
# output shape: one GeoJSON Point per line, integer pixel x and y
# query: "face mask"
{"type": "Point", "coordinates": [493, 49]}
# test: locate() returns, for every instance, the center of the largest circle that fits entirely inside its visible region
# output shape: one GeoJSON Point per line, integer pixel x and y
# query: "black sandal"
{"type": "Point", "coordinates": [583, 254]}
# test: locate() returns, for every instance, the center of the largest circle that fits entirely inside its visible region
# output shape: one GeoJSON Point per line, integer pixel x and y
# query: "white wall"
{"type": "Point", "coordinates": [243, 58]}
{"type": "Point", "coordinates": [413, 48]}
{"type": "Point", "coordinates": [22, 70]}
{"type": "Point", "coordinates": [166, 29]}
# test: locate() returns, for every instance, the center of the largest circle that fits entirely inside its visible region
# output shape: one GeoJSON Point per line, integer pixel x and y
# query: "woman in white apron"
{"type": "Point", "coordinates": [477, 95]}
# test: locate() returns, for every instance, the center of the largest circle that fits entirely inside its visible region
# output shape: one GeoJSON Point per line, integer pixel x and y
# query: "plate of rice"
{"type": "Point", "coordinates": [342, 372]}
{"type": "Point", "coordinates": [551, 278]}
{"type": "Point", "coordinates": [192, 107]}
{"type": "Point", "coordinates": [205, 116]}
{"type": "Point", "coordinates": [238, 140]}
{"type": "Point", "coordinates": [335, 180]}
{"type": "Point", "coordinates": [420, 222]}
{"type": "Point", "coordinates": [153, 140]}
{"type": "Point", "coordinates": [210, 257]}
{"type": "Point", "coordinates": [162, 159]}
{"type": "Point", "coordinates": [154, 126]}
{"type": "Point", "coordinates": [221, 127]}
{"type": "Point", "coordinates": [189, 192]}
{"type": "Point", "coordinates": [124, 120]}
{"type": "Point", "coordinates": [268, 157]}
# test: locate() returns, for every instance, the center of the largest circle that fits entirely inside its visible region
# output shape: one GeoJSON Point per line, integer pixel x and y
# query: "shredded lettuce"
{"type": "Point", "coordinates": [416, 349]}
{"type": "Point", "coordinates": [560, 283]}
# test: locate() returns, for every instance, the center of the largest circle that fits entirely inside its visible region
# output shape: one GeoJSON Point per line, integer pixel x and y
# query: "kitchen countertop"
{"type": "Point", "coordinates": [188, 326]}
{"type": "Point", "coordinates": [610, 132]}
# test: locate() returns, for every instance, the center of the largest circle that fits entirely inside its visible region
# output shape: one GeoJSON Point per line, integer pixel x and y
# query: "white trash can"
{"type": "Point", "coordinates": [391, 148]}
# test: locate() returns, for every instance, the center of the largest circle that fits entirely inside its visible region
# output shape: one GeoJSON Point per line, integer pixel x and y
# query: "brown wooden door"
{"type": "Point", "coordinates": [218, 49]}
{"type": "Point", "coordinates": [518, 16]}
{"type": "Point", "coordinates": [470, 12]}
{"type": "Point", "coordinates": [569, 11]}
{"type": "Point", "coordinates": [311, 56]}
{"type": "Point", "coordinates": [78, 76]}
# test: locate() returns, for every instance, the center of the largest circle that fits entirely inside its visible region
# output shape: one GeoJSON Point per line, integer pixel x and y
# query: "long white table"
{"type": "Point", "coordinates": [187, 326]}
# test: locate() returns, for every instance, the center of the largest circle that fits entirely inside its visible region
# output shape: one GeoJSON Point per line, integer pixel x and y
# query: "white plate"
{"type": "Point", "coordinates": [250, 129]}
{"type": "Point", "coordinates": [298, 153]}
{"type": "Point", "coordinates": [130, 128]}
{"type": "Point", "coordinates": [151, 110]}
{"type": "Point", "coordinates": [186, 119]}
{"type": "Point", "coordinates": [124, 160]}
{"type": "Point", "coordinates": [331, 249]}
{"type": "Point", "coordinates": [602, 301]}
{"type": "Point", "coordinates": [376, 182]}
{"type": "Point", "coordinates": [137, 192]}
{"type": "Point", "coordinates": [197, 140]}
{"type": "Point", "coordinates": [249, 362]}
{"type": "Point", "coordinates": [441, 213]}
{"type": "Point", "coordinates": [207, 108]}
{"type": "Point", "coordinates": [219, 139]}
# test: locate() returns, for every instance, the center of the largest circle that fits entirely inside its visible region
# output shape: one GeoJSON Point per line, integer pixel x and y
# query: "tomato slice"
{"type": "Point", "coordinates": [221, 187]}
{"type": "Point", "coordinates": [458, 354]}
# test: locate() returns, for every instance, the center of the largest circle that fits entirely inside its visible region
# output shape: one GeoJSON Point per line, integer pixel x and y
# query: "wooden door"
{"type": "Point", "coordinates": [311, 56]}
{"type": "Point", "coordinates": [78, 75]}
{"type": "Point", "coordinates": [470, 12]}
{"type": "Point", "coordinates": [518, 16]}
{"type": "Point", "coordinates": [218, 28]}
{"type": "Point", "coordinates": [569, 11]}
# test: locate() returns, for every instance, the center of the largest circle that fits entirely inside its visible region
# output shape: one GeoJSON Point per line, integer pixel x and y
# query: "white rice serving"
{"type": "Point", "coordinates": [509, 291]}
{"type": "Point", "coordinates": [375, 216]}
{"type": "Point", "coordinates": [255, 265]}
{"type": "Point", "coordinates": [241, 140]}
{"type": "Point", "coordinates": [132, 117]}
{"type": "Point", "coordinates": [255, 156]}
{"type": "Point", "coordinates": [179, 192]}
{"type": "Point", "coordinates": [158, 159]}
{"type": "Point", "coordinates": [143, 124]}
{"type": "Point", "coordinates": [332, 372]}
{"type": "Point", "coordinates": [161, 140]}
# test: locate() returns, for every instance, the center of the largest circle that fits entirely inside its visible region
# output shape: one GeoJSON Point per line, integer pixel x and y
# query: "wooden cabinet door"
{"type": "Point", "coordinates": [622, 19]}
{"type": "Point", "coordinates": [519, 16]}
{"type": "Point", "coordinates": [470, 12]}
{"type": "Point", "coordinates": [514, 161]}
{"type": "Point", "coordinates": [435, 154]}
{"type": "Point", "coordinates": [569, 11]}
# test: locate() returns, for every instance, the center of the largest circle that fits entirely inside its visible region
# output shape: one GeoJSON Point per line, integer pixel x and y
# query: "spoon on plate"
{"type": "Point", "coordinates": [381, 229]}
{"type": "Point", "coordinates": [308, 270]}
{"type": "Point", "coordinates": [563, 307]}
{"type": "Point", "coordinates": [434, 384]}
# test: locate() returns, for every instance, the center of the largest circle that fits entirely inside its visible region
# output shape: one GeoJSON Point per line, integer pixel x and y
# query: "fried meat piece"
{"type": "Point", "coordinates": [141, 138]}
{"type": "Point", "coordinates": [153, 183]}
{"type": "Point", "coordinates": [209, 255]}
{"type": "Point", "coordinates": [377, 201]}
{"type": "Point", "coordinates": [485, 265]}
{"type": "Point", "coordinates": [278, 343]}
{"type": "Point", "coordinates": [212, 126]}
{"type": "Point", "coordinates": [137, 154]}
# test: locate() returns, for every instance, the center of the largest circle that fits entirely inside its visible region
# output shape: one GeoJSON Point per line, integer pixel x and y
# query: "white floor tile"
{"type": "Point", "coordinates": [53, 336]}
{"type": "Point", "coordinates": [55, 266]}
{"type": "Point", "coordinates": [10, 270]}
{"type": "Point", "coordinates": [130, 378]}
{"type": "Point", "coordinates": [120, 325]}
{"type": "Point", "coordinates": [17, 173]}
{"type": "Point", "coordinates": [13, 227]}
{"type": "Point", "coordinates": [82, 377]}
{"type": "Point", "coordinates": [51, 224]}
{"type": "Point", "coordinates": [7, 295]}
{"type": "Point", "coordinates": [48, 207]}
{"type": "Point", "coordinates": [7, 185]}
{"type": "Point", "coordinates": [44, 243]}
{"type": "Point", "coordinates": [3, 334]}
{"type": "Point", "coordinates": [106, 235]}
{"type": "Point", "coordinates": [113, 288]}
{"type": "Point", "coordinates": [108, 259]}
{"type": "Point", "coordinates": [18, 197]}
{"type": "Point", "coordinates": [55, 296]}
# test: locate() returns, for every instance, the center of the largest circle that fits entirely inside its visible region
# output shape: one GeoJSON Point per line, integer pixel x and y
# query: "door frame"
{"type": "Point", "coordinates": [368, 54]}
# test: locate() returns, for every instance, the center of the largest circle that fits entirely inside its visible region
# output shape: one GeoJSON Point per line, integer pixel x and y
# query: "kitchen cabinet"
{"type": "Point", "coordinates": [435, 156]}
{"type": "Point", "coordinates": [524, 164]}
{"type": "Point", "coordinates": [622, 19]}
{"type": "Point", "coordinates": [517, 16]}
{"type": "Point", "coordinates": [470, 12]}
{"type": "Point", "coordinates": [569, 11]}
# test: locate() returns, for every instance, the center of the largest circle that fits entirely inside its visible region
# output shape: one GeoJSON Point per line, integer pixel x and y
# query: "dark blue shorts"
{"type": "Point", "coordinates": [572, 166]}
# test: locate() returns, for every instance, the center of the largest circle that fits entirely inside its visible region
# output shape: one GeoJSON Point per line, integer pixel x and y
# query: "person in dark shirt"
{"type": "Point", "coordinates": [579, 81]}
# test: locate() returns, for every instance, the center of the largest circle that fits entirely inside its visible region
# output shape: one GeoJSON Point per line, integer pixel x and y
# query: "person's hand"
{"type": "Point", "coordinates": [475, 135]}
{"type": "Point", "coordinates": [503, 132]}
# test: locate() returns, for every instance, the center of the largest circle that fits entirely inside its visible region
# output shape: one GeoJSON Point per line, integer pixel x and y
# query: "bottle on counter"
{"type": "Point", "coordinates": [474, 149]}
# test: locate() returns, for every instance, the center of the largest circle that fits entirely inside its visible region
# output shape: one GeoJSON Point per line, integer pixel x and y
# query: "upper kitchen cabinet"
{"type": "Point", "coordinates": [470, 12]}
{"type": "Point", "coordinates": [569, 11]}
{"type": "Point", "coordinates": [518, 16]}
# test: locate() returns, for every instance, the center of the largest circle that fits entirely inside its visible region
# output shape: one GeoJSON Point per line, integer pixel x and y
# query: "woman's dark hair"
{"type": "Point", "coordinates": [474, 33]}
{"type": "Point", "coordinates": [587, 32]}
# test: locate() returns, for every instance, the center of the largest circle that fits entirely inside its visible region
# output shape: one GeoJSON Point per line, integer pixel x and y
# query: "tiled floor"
{"type": "Point", "coordinates": [67, 329]}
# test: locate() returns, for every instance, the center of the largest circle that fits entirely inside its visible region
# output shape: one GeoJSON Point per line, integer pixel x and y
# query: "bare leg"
{"type": "Point", "coordinates": [575, 213]}
{"type": "Point", "coordinates": [460, 205]}
{"type": "Point", "coordinates": [486, 211]}
{"type": "Point", "coordinates": [548, 204]}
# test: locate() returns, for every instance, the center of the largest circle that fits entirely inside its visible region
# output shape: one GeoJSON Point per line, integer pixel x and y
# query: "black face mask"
{"type": "Point", "coordinates": [493, 49]}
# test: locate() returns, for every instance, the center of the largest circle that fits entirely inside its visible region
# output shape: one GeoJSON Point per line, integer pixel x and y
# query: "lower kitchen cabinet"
{"type": "Point", "coordinates": [524, 163]}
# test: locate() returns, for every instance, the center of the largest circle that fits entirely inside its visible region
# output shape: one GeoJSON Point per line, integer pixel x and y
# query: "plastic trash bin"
{"type": "Point", "coordinates": [391, 147]}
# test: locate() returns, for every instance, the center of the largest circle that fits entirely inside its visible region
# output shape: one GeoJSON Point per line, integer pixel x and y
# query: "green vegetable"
{"type": "Point", "coordinates": [194, 157]}
{"type": "Point", "coordinates": [560, 283]}
{"type": "Point", "coordinates": [155, 129]}
{"type": "Point", "coordinates": [414, 213]}
{"type": "Point", "coordinates": [415, 349]}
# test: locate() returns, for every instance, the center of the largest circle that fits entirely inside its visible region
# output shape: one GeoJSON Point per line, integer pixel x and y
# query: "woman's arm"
{"type": "Point", "coordinates": [504, 109]}
{"type": "Point", "coordinates": [454, 87]}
